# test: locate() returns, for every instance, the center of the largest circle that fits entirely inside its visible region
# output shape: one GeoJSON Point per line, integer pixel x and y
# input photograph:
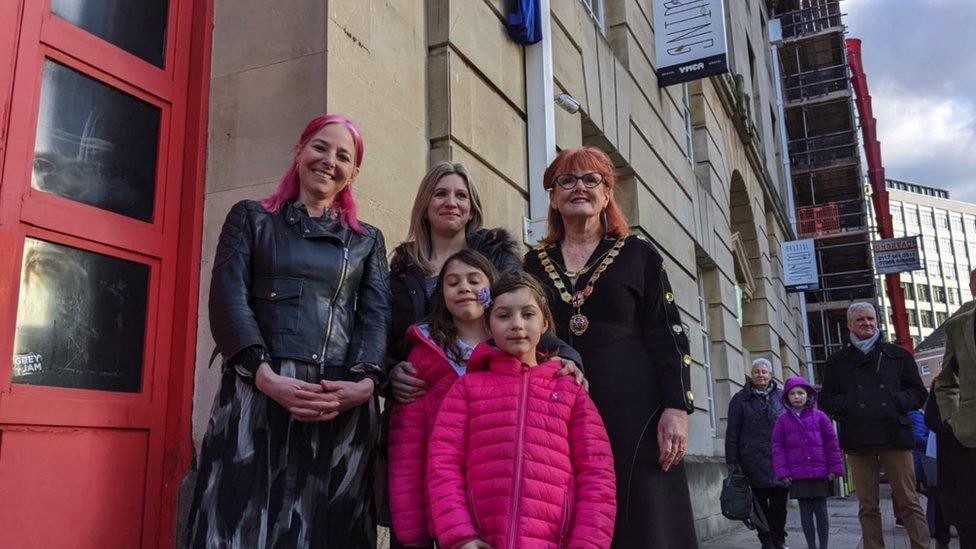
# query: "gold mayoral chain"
{"type": "Point", "coordinates": [578, 323]}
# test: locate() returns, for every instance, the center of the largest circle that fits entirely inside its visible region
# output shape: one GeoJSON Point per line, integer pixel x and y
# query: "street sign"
{"type": "Point", "coordinates": [799, 265]}
{"type": "Point", "coordinates": [895, 255]}
{"type": "Point", "coordinates": [689, 40]}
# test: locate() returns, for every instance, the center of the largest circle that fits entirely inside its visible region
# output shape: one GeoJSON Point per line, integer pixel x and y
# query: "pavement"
{"type": "Point", "coordinates": [845, 530]}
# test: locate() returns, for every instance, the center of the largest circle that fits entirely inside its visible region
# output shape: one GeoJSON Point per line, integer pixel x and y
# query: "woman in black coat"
{"type": "Point", "coordinates": [612, 301]}
{"type": "Point", "coordinates": [446, 218]}
{"type": "Point", "coordinates": [748, 446]}
{"type": "Point", "coordinates": [300, 311]}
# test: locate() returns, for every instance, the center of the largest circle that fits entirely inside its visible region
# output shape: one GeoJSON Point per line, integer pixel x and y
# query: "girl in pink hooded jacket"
{"type": "Point", "coordinates": [519, 457]}
{"type": "Point", "coordinates": [806, 456]}
{"type": "Point", "coordinates": [441, 348]}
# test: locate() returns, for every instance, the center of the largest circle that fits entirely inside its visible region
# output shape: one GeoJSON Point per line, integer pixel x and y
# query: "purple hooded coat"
{"type": "Point", "coordinates": [805, 446]}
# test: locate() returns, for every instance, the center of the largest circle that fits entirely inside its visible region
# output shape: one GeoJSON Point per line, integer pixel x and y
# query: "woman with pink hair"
{"type": "Point", "coordinates": [300, 312]}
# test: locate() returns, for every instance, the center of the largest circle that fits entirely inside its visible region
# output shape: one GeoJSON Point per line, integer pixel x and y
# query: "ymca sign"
{"type": "Point", "coordinates": [689, 40]}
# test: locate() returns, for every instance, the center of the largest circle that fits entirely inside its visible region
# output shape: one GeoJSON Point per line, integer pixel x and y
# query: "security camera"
{"type": "Point", "coordinates": [567, 103]}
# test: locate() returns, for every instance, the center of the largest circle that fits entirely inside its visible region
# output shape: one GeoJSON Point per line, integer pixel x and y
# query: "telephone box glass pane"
{"type": "Point", "coordinates": [95, 144]}
{"type": "Point", "coordinates": [81, 319]}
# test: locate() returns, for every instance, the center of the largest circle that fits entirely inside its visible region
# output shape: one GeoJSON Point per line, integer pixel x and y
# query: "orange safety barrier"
{"type": "Point", "coordinates": [818, 220]}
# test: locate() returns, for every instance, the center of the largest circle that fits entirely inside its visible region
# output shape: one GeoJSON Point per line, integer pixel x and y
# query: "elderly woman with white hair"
{"type": "Point", "coordinates": [748, 446]}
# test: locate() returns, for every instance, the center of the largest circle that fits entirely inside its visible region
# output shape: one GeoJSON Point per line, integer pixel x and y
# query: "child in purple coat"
{"type": "Point", "coordinates": [806, 456]}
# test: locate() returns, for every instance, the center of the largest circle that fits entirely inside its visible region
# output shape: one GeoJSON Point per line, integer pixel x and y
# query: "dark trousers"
{"type": "Point", "coordinates": [938, 526]}
{"type": "Point", "coordinates": [772, 501]}
{"type": "Point", "coordinates": [967, 538]}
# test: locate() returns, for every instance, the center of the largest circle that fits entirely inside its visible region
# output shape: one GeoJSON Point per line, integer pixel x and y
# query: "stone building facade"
{"type": "Point", "coordinates": [700, 164]}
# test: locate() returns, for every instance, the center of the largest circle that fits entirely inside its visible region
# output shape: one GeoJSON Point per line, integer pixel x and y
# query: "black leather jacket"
{"type": "Point", "coordinates": [301, 288]}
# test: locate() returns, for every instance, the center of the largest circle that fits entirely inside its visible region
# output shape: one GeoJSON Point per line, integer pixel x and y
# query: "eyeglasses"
{"type": "Point", "coordinates": [568, 180]}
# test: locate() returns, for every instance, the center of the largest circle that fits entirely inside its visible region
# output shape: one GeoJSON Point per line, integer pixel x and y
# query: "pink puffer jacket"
{"type": "Point", "coordinates": [520, 458]}
{"type": "Point", "coordinates": [410, 427]}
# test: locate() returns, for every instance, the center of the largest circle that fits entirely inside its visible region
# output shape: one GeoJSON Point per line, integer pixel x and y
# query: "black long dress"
{"type": "Point", "coordinates": [636, 356]}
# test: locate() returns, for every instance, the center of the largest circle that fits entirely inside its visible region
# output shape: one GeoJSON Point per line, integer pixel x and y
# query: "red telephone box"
{"type": "Point", "coordinates": [102, 126]}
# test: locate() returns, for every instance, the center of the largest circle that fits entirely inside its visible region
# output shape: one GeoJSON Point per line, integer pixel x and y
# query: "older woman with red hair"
{"type": "Point", "coordinates": [300, 312]}
{"type": "Point", "coordinates": [612, 302]}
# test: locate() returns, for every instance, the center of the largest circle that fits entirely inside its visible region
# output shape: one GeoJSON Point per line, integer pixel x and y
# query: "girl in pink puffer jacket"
{"type": "Point", "coordinates": [519, 457]}
{"type": "Point", "coordinates": [441, 348]}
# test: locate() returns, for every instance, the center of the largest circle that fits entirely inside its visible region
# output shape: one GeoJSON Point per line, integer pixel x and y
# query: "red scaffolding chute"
{"type": "Point", "coordinates": [879, 194]}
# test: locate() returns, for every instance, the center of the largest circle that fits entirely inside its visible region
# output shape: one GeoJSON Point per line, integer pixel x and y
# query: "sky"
{"type": "Point", "coordinates": [920, 61]}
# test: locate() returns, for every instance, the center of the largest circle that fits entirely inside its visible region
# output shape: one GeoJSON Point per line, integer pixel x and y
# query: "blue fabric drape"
{"type": "Point", "coordinates": [524, 22]}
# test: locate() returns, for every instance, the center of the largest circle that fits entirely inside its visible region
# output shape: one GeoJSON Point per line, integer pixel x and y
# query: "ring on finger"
{"type": "Point", "coordinates": [321, 413]}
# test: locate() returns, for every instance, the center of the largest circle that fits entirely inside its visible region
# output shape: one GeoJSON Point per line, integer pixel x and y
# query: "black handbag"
{"type": "Point", "coordinates": [736, 497]}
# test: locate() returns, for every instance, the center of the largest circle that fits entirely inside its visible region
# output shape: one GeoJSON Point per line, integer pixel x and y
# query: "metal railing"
{"type": "Point", "coordinates": [812, 20]}
{"type": "Point", "coordinates": [823, 150]}
{"type": "Point", "coordinates": [816, 83]}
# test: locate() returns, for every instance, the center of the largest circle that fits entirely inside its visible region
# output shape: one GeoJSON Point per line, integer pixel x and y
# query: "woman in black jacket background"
{"type": "Point", "coordinates": [446, 218]}
{"type": "Point", "coordinates": [748, 446]}
{"type": "Point", "coordinates": [299, 308]}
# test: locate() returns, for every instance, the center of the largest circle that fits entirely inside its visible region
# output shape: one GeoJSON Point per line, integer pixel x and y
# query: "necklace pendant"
{"type": "Point", "coordinates": [577, 300]}
{"type": "Point", "coordinates": [578, 324]}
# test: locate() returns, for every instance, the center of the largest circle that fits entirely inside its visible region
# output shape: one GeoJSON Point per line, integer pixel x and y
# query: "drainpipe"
{"type": "Point", "coordinates": [775, 37]}
{"type": "Point", "coordinates": [541, 122]}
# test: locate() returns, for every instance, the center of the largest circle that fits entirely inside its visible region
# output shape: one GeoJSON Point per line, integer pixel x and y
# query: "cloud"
{"type": "Point", "coordinates": [929, 139]}
{"type": "Point", "coordinates": [918, 57]}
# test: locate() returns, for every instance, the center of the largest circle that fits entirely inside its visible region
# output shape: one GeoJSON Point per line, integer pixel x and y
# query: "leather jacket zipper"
{"type": "Point", "coordinates": [520, 441]}
{"type": "Point", "coordinates": [328, 326]}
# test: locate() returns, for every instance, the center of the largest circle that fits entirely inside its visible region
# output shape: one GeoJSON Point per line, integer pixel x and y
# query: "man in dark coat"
{"type": "Point", "coordinates": [748, 446]}
{"type": "Point", "coordinates": [869, 387]}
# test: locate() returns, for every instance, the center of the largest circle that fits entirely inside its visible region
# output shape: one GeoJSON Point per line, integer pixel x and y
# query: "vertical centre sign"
{"type": "Point", "coordinates": [800, 265]}
{"type": "Point", "coordinates": [689, 40]}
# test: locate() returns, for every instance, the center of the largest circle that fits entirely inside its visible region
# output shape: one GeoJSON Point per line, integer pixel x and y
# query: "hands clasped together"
{"type": "Point", "coordinates": [312, 402]}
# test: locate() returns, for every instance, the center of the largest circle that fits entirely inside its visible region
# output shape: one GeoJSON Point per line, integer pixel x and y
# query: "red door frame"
{"type": "Point", "coordinates": [181, 89]}
{"type": "Point", "coordinates": [178, 438]}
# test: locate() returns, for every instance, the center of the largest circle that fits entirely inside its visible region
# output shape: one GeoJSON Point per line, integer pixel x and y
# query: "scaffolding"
{"type": "Point", "coordinates": [831, 205]}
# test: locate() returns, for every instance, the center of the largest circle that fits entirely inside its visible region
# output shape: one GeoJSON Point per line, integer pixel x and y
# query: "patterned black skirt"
{"type": "Point", "coordinates": [268, 481]}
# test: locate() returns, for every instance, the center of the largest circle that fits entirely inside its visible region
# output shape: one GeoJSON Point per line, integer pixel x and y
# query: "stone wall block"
{"type": "Point", "coordinates": [569, 15]}
{"type": "Point", "coordinates": [569, 128]}
{"type": "Point", "coordinates": [624, 87]}
{"type": "Point", "coordinates": [567, 67]}
{"type": "Point", "coordinates": [642, 68]}
{"type": "Point", "coordinates": [439, 94]}
{"type": "Point", "coordinates": [256, 116]}
{"type": "Point", "coordinates": [487, 124]}
{"type": "Point", "coordinates": [277, 32]}
{"type": "Point", "coordinates": [588, 38]}
{"type": "Point", "coordinates": [497, 57]}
